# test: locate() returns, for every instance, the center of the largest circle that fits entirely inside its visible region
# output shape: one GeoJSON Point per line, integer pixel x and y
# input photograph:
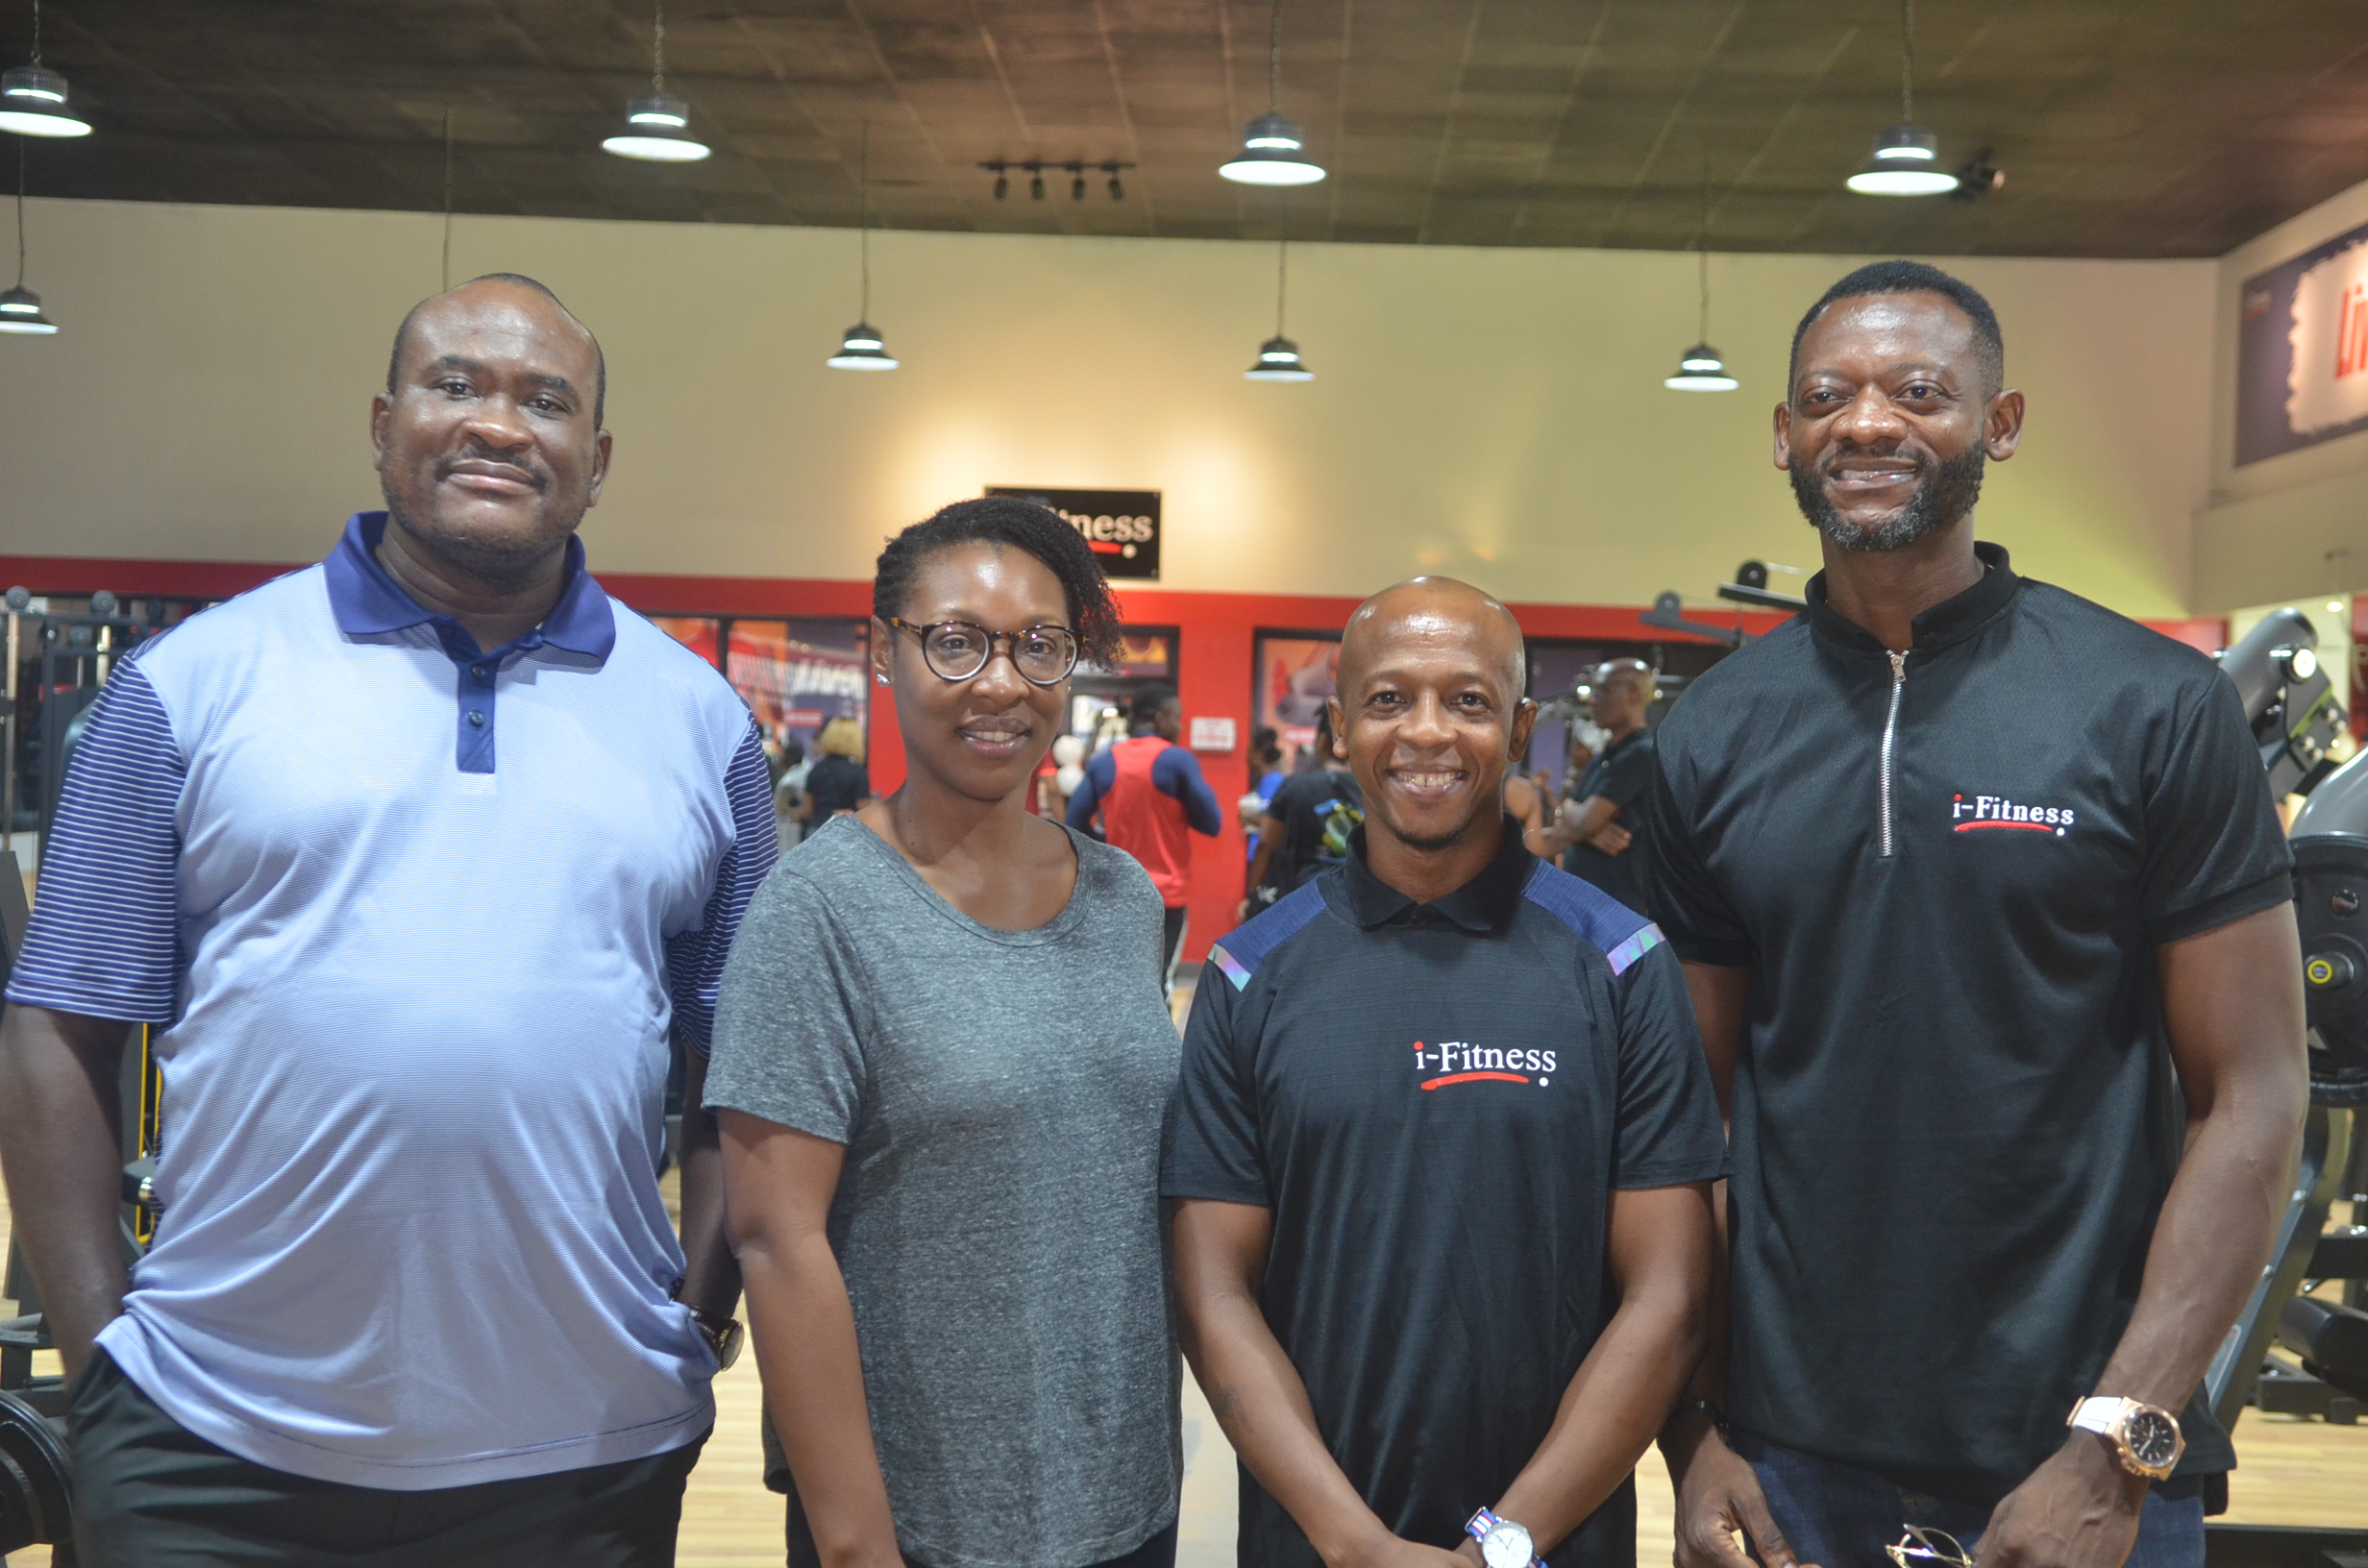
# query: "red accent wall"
{"type": "Point", "coordinates": [1215, 650]}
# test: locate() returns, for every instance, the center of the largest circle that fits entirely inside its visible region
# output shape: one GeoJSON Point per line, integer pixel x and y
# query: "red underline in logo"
{"type": "Point", "coordinates": [1473, 1078]}
{"type": "Point", "coordinates": [2028, 827]}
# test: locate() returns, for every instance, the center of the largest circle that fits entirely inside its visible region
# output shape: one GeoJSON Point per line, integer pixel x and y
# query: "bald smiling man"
{"type": "Point", "coordinates": [1441, 1153]}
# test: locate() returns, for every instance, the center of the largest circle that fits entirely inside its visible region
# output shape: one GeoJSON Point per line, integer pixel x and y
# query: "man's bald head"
{"type": "Point", "coordinates": [503, 281]}
{"type": "Point", "coordinates": [1433, 609]}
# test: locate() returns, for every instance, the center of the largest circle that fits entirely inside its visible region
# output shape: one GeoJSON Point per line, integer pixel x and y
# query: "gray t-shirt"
{"type": "Point", "coordinates": [1000, 1096]}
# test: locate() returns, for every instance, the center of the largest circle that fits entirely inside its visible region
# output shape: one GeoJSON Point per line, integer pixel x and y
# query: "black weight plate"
{"type": "Point", "coordinates": [35, 1495]}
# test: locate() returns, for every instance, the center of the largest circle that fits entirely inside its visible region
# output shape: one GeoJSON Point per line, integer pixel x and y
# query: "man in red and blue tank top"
{"type": "Point", "coordinates": [1151, 798]}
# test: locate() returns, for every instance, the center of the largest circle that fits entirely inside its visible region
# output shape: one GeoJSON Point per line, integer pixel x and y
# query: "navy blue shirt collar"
{"type": "Point", "coordinates": [365, 599]}
{"type": "Point", "coordinates": [1479, 906]}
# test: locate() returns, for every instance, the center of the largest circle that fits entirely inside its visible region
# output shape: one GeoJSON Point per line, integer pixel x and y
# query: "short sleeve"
{"type": "Point", "coordinates": [1628, 776]}
{"type": "Point", "coordinates": [1679, 889]}
{"type": "Point", "coordinates": [1212, 1146]}
{"type": "Point", "coordinates": [103, 940]}
{"type": "Point", "coordinates": [695, 959]}
{"type": "Point", "coordinates": [791, 1015]}
{"type": "Point", "coordinates": [1669, 1132]}
{"type": "Point", "coordinates": [2214, 850]}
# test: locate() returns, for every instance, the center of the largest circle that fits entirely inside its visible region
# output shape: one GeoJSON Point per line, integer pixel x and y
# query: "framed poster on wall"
{"type": "Point", "coordinates": [1293, 675]}
{"type": "Point", "coordinates": [795, 674]}
{"type": "Point", "coordinates": [2301, 350]}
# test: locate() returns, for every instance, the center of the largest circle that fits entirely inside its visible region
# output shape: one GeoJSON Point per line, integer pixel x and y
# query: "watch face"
{"type": "Point", "coordinates": [1506, 1545]}
{"type": "Point", "coordinates": [2153, 1438]}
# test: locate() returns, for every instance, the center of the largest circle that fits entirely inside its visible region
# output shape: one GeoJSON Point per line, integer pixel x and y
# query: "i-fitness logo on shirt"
{"type": "Point", "coordinates": [1460, 1062]}
{"type": "Point", "coordinates": [1980, 813]}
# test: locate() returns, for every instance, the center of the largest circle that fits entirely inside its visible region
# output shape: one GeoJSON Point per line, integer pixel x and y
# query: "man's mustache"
{"type": "Point", "coordinates": [526, 473]}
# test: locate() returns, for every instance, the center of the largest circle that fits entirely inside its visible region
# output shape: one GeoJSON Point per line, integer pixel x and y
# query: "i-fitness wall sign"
{"type": "Point", "coordinates": [1122, 525]}
{"type": "Point", "coordinates": [2301, 350]}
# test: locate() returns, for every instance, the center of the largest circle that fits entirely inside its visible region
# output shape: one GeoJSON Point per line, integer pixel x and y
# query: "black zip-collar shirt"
{"type": "Point", "coordinates": [1954, 1116]}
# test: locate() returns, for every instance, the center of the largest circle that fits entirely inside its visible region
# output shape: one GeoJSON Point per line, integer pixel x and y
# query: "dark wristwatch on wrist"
{"type": "Point", "coordinates": [724, 1335]}
{"type": "Point", "coordinates": [1689, 1407]}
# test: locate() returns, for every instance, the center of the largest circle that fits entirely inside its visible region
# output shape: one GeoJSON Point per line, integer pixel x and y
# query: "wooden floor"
{"type": "Point", "coordinates": [2290, 1472]}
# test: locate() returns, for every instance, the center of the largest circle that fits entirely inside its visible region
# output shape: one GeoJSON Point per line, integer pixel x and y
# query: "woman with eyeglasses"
{"type": "Point", "coordinates": [941, 1063]}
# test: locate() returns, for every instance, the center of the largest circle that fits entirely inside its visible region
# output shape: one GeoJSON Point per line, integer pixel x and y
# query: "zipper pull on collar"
{"type": "Point", "coordinates": [1890, 741]}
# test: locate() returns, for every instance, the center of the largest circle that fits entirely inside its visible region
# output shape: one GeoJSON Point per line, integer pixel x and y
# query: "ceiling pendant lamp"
{"type": "Point", "coordinates": [860, 346]}
{"type": "Point", "coordinates": [1278, 357]}
{"type": "Point", "coordinates": [1699, 369]}
{"type": "Point", "coordinates": [20, 308]}
{"type": "Point", "coordinates": [33, 97]}
{"type": "Point", "coordinates": [1273, 151]}
{"type": "Point", "coordinates": [657, 124]}
{"type": "Point", "coordinates": [1907, 158]}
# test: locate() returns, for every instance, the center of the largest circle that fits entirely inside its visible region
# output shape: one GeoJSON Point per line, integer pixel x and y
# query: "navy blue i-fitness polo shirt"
{"type": "Point", "coordinates": [414, 920]}
{"type": "Point", "coordinates": [1436, 1101]}
{"type": "Point", "coordinates": [1955, 1115]}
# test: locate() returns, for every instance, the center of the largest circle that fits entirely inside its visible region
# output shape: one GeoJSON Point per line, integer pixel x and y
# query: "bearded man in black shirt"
{"type": "Point", "coordinates": [1987, 920]}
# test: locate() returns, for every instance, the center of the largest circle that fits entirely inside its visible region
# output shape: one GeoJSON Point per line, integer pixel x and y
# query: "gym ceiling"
{"type": "Point", "coordinates": [2125, 128]}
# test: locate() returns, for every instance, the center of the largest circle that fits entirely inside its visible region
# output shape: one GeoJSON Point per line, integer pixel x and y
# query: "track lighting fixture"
{"type": "Point", "coordinates": [1076, 170]}
{"type": "Point", "coordinates": [33, 97]}
{"type": "Point", "coordinates": [20, 308]}
{"type": "Point", "coordinates": [1278, 357]}
{"type": "Point", "coordinates": [1272, 148]}
{"type": "Point", "coordinates": [1906, 157]}
{"type": "Point", "coordinates": [658, 123]}
{"type": "Point", "coordinates": [861, 346]}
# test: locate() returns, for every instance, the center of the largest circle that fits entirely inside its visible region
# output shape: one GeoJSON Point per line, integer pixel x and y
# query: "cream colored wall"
{"type": "Point", "coordinates": [1494, 413]}
{"type": "Point", "coordinates": [2294, 526]}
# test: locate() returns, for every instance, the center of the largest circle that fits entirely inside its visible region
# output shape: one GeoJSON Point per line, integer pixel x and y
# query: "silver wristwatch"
{"type": "Point", "coordinates": [1503, 1544]}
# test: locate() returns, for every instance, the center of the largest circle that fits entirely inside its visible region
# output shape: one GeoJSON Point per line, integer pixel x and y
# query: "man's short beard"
{"type": "Point", "coordinates": [503, 562]}
{"type": "Point", "coordinates": [1945, 497]}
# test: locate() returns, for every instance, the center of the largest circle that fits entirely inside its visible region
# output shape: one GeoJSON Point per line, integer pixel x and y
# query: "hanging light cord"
{"type": "Point", "coordinates": [863, 225]}
{"type": "Point", "coordinates": [1282, 278]}
{"type": "Point", "coordinates": [37, 32]}
{"type": "Point", "coordinates": [657, 71]}
{"type": "Point", "coordinates": [1906, 61]}
{"type": "Point", "coordinates": [1274, 61]}
{"type": "Point", "coordinates": [448, 197]}
{"type": "Point", "coordinates": [1702, 251]}
{"type": "Point", "coordinates": [20, 212]}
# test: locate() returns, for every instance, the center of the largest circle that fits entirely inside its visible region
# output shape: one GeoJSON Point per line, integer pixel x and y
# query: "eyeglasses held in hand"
{"type": "Point", "coordinates": [958, 650]}
{"type": "Point", "coordinates": [1922, 1548]}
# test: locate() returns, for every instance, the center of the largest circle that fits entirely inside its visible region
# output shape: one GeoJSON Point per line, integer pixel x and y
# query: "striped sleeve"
{"type": "Point", "coordinates": [695, 958]}
{"type": "Point", "coordinates": [103, 938]}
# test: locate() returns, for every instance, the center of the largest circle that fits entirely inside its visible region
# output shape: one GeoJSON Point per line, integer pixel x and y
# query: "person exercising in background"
{"type": "Point", "coordinates": [1978, 887]}
{"type": "Point", "coordinates": [1595, 829]}
{"type": "Point", "coordinates": [412, 860]}
{"type": "Point", "coordinates": [1306, 825]}
{"type": "Point", "coordinates": [1441, 1153]}
{"type": "Point", "coordinates": [1151, 798]}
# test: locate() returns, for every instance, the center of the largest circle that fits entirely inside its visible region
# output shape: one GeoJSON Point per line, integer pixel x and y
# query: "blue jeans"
{"type": "Point", "coordinates": [1838, 1517]}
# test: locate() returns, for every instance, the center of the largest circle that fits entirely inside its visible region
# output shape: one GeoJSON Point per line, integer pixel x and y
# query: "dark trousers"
{"type": "Point", "coordinates": [1172, 944]}
{"type": "Point", "coordinates": [1159, 1552]}
{"type": "Point", "coordinates": [1836, 1514]}
{"type": "Point", "coordinates": [148, 1493]}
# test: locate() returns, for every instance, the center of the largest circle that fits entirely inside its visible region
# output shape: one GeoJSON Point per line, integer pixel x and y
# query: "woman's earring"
{"type": "Point", "coordinates": [880, 675]}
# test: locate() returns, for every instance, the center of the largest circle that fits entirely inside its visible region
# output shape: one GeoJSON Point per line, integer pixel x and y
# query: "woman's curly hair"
{"type": "Point", "coordinates": [1022, 524]}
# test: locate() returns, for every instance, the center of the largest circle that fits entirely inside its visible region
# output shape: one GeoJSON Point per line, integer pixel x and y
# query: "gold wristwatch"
{"type": "Point", "coordinates": [2145, 1438]}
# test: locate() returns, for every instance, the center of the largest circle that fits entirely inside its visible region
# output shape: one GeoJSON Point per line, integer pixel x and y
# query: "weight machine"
{"type": "Point", "coordinates": [70, 655]}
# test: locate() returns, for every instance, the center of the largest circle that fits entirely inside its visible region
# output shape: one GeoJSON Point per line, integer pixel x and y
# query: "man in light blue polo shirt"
{"type": "Point", "coordinates": [413, 858]}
